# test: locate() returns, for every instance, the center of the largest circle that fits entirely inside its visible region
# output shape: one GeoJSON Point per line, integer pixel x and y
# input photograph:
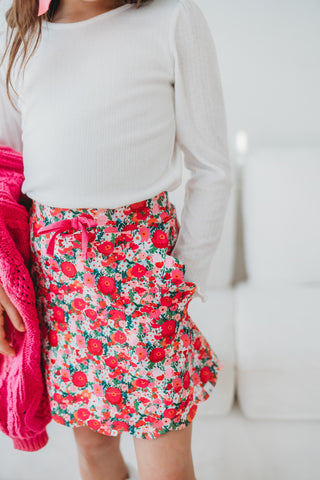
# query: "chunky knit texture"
{"type": "Point", "coordinates": [24, 401]}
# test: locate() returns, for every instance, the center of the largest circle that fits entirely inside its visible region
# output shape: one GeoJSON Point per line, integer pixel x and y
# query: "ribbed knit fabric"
{"type": "Point", "coordinates": [24, 401]}
{"type": "Point", "coordinates": [109, 104]}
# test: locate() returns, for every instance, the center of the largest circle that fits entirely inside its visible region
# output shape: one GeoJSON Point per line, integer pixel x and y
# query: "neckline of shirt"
{"type": "Point", "coordinates": [109, 13]}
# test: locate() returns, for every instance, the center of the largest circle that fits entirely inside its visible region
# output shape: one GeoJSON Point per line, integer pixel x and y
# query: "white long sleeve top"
{"type": "Point", "coordinates": [109, 107]}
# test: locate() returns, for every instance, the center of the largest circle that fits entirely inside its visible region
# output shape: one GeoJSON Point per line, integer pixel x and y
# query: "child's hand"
{"type": "Point", "coordinates": [16, 320]}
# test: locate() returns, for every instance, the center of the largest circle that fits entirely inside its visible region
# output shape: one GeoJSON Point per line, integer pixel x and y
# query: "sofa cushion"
{"type": "Point", "coordinates": [281, 221]}
{"type": "Point", "coordinates": [277, 347]}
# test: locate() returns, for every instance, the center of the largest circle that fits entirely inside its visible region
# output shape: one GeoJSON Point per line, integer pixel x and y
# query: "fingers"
{"type": "Point", "coordinates": [12, 312]}
{"type": "Point", "coordinates": [6, 306]}
{"type": "Point", "coordinates": [5, 348]}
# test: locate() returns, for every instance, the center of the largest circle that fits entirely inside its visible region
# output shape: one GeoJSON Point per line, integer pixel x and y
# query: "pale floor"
{"type": "Point", "coordinates": [224, 448]}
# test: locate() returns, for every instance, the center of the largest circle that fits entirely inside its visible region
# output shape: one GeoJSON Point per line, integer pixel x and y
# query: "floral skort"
{"type": "Point", "coordinates": [120, 352]}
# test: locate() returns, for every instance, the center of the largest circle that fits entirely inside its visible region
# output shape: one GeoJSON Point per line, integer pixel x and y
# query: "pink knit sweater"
{"type": "Point", "coordinates": [24, 401]}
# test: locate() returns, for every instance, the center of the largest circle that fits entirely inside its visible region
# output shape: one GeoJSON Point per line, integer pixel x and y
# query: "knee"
{"type": "Point", "coordinates": [91, 443]}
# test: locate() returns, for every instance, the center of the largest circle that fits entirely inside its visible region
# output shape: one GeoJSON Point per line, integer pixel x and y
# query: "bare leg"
{"type": "Point", "coordinates": [167, 457]}
{"type": "Point", "coordinates": [99, 455]}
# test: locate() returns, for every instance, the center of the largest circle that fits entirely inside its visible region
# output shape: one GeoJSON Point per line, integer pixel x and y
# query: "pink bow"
{"type": "Point", "coordinates": [43, 6]}
{"type": "Point", "coordinates": [66, 224]}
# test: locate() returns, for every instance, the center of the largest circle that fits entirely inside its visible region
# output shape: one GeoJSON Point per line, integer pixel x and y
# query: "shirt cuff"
{"type": "Point", "coordinates": [201, 294]}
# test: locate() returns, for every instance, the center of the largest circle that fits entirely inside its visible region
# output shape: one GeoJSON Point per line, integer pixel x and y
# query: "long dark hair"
{"type": "Point", "coordinates": [22, 18]}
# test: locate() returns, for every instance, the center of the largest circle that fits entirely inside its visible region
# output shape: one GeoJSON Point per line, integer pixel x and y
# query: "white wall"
{"type": "Point", "coordinates": [4, 5]}
{"type": "Point", "coordinates": [269, 59]}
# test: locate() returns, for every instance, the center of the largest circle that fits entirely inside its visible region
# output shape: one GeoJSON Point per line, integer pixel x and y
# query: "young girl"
{"type": "Point", "coordinates": [109, 98]}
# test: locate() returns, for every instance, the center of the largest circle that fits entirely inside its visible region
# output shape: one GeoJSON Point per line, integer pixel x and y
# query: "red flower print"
{"type": "Point", "coordinates": [112, 362]}
{"type": "Point", "coordinates": [157, 355]}
{"type": "Point", "coordinates": [142, 214]}
{"type": "Point", "coordinates": [126, 235]}
{"type": "Point", "coordinates": [113, 395]}
{"type": "Point", "coordinates": [138, 205]}
{"type": "Point", "coordinates": [53, 338]}
{"type": "Point", "coordinates": [133, 246]}
{"type": "Point", "coordinates": [145, 309]}
{"type": "Point", "coordinates": [177, 384]}
{"type": "Point", "coordinates": [117, 315]}
{"type": "Point", "coordinates": [169, 413]}
{"type": "Point", "coordinates": [118, 425]}
{"type": "Point", "coordinates": [160, 239]}
{"type": "Point", "coordinates": [197, 343]}
{"type": "Point", "coordinates": [138, 270]}
{"type": "Point", "coordinates": [168, 328]}
{"type": "Point", "coordinates": [92, 314]}
{"type": "Point", "coordinates": [78, 304]}
{"type": "Point", "coordinates": [94, 424]}
{"type": "Point", "coordinates": [106, 285]}
{"type": "Point", "coordinates": [186, 380]}
{"type": "Point", "coordinates": [58, 419]}
{"type": "Point", "coordinates": [141, 383]}
{"type": "Point", "coordinates": [94, 346]}
{"type": "Point", "coordinates": [150, 419]}
{"type": "Point", "coordinates": [54, 288]}
{"type": "Point", "coordinates": [106, 414]}
{"type": "Point", "coordinates": [58, 313]}
{"type": "Point", "coordinates": [177, 276]}
{"type": "Point", "coordinates": [62, 326]}
{"type": "Point", "coordinates": [169, 386]}
{"type": "Point", "coordinates": [118, 337]}
{"type": "Point", "coordinates": [166, 301]}
{"type": "Point", "coordinates": [106, 248]}
{"type": "Point", "coordinates": [192, 412]}
{"type": "Point", "coordinates": [205, 374]}
{"type": "Point", "coordinates": [57, 397]}
{"type": "Point", "coordinates": [83, 413]}
{"type": "Point", "coordinates": [79, 379]}
{"type": "Point", "coordinates": [68, 269]}
{"type": "Point", "coordinates": [141, 211]}
{"type": "Point", "coordinates": [91, 237]}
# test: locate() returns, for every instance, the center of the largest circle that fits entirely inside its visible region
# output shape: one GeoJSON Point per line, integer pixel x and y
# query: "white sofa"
{"type": "Point", "coordinates": [262, 316]}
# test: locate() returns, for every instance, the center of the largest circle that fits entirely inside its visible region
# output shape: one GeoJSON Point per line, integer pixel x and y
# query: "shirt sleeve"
{"type": "Point", "coordinates": [201, 134]}
{"type": "Point", "coordinates": [10, 119]}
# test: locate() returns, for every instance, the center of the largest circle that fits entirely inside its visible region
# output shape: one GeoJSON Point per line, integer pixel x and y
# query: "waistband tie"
{"type": "Point", "coordinates": [79, 222]}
